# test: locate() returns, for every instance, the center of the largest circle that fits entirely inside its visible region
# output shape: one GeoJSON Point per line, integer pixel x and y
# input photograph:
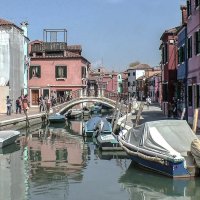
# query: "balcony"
{"type": "Point", "coordinates": [48, 47]}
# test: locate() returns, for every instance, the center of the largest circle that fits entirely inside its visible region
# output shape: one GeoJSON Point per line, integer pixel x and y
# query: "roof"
{"type": "Point", "coordinates": [140, 67]}
{"type": "Point", "coordinates": [4, 22]}
{"type": "Point", "coordinates": [170, 31]}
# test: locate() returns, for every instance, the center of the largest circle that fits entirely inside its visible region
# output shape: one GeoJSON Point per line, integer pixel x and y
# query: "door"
{"type": "Point", "coordinates": [35, 97]}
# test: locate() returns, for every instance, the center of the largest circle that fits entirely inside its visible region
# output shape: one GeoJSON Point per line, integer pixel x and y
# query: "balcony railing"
{"type": "Point", "coordinates": [49, 46]}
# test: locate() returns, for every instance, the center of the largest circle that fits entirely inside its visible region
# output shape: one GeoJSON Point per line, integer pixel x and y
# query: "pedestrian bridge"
{"type": "Point", "coordinates": [80, 96]}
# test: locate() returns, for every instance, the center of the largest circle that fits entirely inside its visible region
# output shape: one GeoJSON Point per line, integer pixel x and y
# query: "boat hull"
{"type": "Point", "coordinates": [9, 139]}
{"type": "Point", "coordinates": [108, 142]}
{"type": "Point", "coordinates": [168, 168]}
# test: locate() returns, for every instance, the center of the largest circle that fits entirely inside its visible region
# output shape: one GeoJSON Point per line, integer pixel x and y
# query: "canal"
{"type": "Point", "coordinates": [57, 163]}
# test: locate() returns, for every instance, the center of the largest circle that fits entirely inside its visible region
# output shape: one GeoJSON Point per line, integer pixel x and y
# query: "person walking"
{"type": "Point", "coordinates": [41, 103]}
{"type": "Point", "coordinates": [18, 105]}
{"type": "Point", "coordinates": [25, 104]}
{"type": "Point", "coordinates": [9, 105]}
{"type": "Point", "coordinates": [148, 101]}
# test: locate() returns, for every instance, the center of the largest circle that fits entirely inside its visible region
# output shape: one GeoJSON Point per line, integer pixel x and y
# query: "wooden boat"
{"type": "Point", "coordinates": [165, 146]}
{"type": "Point", "coordinates": [8, 137]}
{"type": "Point", "coordinates": [74, 113]}
{"type": "Point", "coordinates": [86, 111]}
{"type": "Point", "coordinates": [106, 140]}
{"type": "Point", "coordinates": [57, 118]}
{"type": "Point", "coordinates": [90, 126]}
{"type": "Point", "coordinates": [96, 109]}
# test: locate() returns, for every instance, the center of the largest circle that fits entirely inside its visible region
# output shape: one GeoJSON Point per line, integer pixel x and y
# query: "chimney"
{"type": "Point", "coordinates": [184, 14]}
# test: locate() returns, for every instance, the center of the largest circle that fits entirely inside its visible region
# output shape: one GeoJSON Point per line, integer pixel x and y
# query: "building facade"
{"type": "Point", "coordinates": [169, 67]}
{"type": "Point", "coordinates": [193, 35]}
{"type": "Point", "coordinates": [11, 61]}
{"type": "Point", "coordinates": [56, 69]}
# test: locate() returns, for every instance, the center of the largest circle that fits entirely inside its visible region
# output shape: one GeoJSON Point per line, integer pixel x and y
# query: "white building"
{"type": "Point", "coordinates": [11, 62]}
{"type": "Point", "coordinates": [133, 74]}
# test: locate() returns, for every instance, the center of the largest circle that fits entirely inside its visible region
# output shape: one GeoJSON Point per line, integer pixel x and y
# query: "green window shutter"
{"type": "Point", "coordinates": [39, 71]}
{"type": "Point", "coordinates": [65, 71]}
{"type": "Point", "coordinates": [196, 43]}
{"type": "Point", "coordinates": [30, 72]}
{"type": "Point", "coordinates": [56, 71]}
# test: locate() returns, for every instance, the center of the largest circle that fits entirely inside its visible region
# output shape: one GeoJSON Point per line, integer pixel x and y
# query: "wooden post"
{"type": "Point", "coordinates": [195, 120]}
{"type": "Point", "coordinates": [183, 114]}
{"type": "Point", "coordinates": [27, 120]}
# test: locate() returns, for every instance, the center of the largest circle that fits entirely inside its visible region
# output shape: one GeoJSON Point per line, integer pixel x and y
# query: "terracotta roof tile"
{"type": "Point", "coordinates": [5, 22]}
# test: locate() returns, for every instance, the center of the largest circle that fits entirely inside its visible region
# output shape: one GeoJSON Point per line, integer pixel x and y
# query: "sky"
{"type": "Point", "coordinates": [112, 33]}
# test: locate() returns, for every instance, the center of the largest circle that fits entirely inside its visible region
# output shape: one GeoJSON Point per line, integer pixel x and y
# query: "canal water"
{"type": "Point", "coordinates": [57, 163]}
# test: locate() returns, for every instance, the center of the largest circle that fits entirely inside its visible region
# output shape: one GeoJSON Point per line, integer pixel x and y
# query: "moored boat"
{"type": "Point", "coordinates": [57, 118]}
{"type": "Point", "coordinates": [163, 146]}
{"type": "Point", "coordinates": [8, 137]}
{"type": "Point", "coordinates": [74, 113]}
{"type": "Point", "coordinates": [90, 126]}
{"type": "Point", "coordinates": [106, 140]}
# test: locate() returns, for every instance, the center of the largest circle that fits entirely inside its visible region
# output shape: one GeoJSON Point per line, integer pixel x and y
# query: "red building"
{"type": "Point", "coordinates": [169, 66]}
{"type": "Point", "coordinates": [56, 68]}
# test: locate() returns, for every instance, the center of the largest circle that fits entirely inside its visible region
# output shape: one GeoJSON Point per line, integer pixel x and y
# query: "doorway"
{"type": "Point", "coordinates": [34, 97]}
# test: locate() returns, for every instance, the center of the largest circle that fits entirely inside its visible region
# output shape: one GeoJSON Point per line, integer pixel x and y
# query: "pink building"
{"type": "Point", "coordinates": [56, 68]}
{"type": "Point", "coordinates": [193, 79]}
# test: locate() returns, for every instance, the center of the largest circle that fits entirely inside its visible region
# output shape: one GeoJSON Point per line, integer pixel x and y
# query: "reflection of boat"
{"type": "Point", "coordinates": [9, 149]}
{"type": "Point", "coordinates": [108, 155]}
{"type": "Point", "coordinates": [74, 113]}
{"type": "Point", "coordinates": [163, 146]}
{"type": "Point", "coordinates": [144, 185]}
{"type": "Point", "coordinates": [57, 118]}
{"type": "Point", "coordinates": [8, 137]}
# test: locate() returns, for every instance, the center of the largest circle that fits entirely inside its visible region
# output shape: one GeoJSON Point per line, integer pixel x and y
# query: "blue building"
{"type": "Point", "coordinates": [182, 68]}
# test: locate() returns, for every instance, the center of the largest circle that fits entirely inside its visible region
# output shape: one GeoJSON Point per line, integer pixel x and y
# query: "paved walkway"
{"type": "Point", "coordinates": [31, 111]}
{"type": "Point", "coordinates": [153, 113]}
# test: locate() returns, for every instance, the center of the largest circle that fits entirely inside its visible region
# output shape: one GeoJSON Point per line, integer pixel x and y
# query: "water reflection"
{"type": "Point", "coordinates": [144, 185]}
{"type": "Point", "coordinates": [56, 162]}
{"type": "Point", "coordinates": [11, 173]}
{"type": "Point", "coordinates": [55, 158]}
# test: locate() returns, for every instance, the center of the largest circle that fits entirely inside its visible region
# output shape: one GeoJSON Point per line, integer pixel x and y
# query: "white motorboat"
{"type": "Point", "coordinates": [8, 137]}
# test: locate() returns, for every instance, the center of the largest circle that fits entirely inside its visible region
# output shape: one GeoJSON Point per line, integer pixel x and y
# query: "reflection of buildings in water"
{"type": "Point", "coordinates": [12, 175]}
{"type": "Point", "coordinates": [74, 126]}
{"type": "Point", "coordinates": [56, 151]}
{"type": "Point", "coordinates": [146, 185]}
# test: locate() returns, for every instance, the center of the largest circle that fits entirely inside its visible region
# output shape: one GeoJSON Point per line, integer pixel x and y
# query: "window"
{"type": "Point", "coordinates": [133, 73]}
{"type": "Point", "coordinates": [189, 48]}
{"type": "Point", "coordinates": [189, 11]}
{"type": "Point", "coordinates": [165, 92]}
{"type": "Point", "coordinates": [83, 72]}
{"type": "Point", "coordinates": [128, 74]}
{"type": "Point", "coordinates": [128, 84]}
{"type": "Point", "coordinates": [34, 71]}
{"type": "Point", "coordinates": [165, 53]}
{"type": "Point", "coordinates": [181, 54]}
{"type": "Point", "coordinates": [61, 72]}
{"type": "Point", "coordinates": [197, 2]}
{"type": "Point", "coordinates": [197, 42]}
{"type": "Point", "coordinates": [190, 95]}
{"type": "Point", "coordinates": [197, 97]}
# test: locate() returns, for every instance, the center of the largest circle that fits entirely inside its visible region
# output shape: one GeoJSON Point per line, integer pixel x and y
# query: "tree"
{"type": "Point", "coordinates": [133, 64]}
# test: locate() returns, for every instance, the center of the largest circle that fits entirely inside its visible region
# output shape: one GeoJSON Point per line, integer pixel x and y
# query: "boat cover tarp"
{"type": "Point", "coordinates": [99, 123]}
{"type": "Point", "coordinates": [168, 137]}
